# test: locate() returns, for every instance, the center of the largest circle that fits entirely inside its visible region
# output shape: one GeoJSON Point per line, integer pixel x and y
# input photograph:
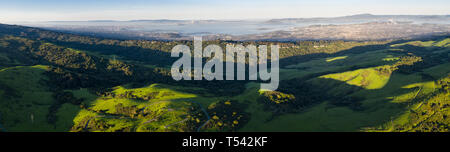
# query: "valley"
{"type": "Point", "coordinates": [54, 81]}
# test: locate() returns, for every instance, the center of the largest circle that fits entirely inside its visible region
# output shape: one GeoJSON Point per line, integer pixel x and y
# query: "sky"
{"type": "Point", "coordinates": [83, 10]}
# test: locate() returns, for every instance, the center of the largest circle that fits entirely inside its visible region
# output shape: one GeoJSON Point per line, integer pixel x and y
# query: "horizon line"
{"type": "Point", "coordinates": [167, 19]}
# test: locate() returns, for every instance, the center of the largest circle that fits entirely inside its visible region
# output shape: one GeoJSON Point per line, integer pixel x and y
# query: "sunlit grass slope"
{"type": "Point", "coordinates": [381, 107]}
{"type": "Point", "coordinates": [368, 78]}
{"type": "Point", "coordinates": [166, 108]}
{"type": "Point", "coordinates": [390, 102]}
{"type": "Point", "coordinates": [428, 107]}
{"type": "Point", "coordinates": [440, 43]}
{"type": "Point", "coordinates": [340, 63]}
{"type": "Point", "coordinates": [336, 58]}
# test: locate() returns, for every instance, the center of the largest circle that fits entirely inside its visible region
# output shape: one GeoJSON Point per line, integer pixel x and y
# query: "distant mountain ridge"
{"type": "Point", "coordinates": [370, 18]}
{"type": "Point", "coordinates": [356, 16]}
{"type": "Point", "coordinates": [354, 27]}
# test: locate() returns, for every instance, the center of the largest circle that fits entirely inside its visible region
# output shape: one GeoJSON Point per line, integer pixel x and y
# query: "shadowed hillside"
{"type": "Point", "coordinates": [54, 81]}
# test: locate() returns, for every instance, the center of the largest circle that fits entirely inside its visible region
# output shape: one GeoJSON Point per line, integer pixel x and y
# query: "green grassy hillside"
{"type": "Point", "coordinates": [25, 99]}
{"type": "Point", "coordinates": [392, 101]}
{"type": "Point", "coordinates": [53, 81]}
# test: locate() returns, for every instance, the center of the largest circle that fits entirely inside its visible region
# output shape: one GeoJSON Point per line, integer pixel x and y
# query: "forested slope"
{"type": "Point", "coordinates": [53, 81]}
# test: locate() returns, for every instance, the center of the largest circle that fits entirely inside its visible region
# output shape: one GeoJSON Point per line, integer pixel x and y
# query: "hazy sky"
{"type": "Point", "coordinates": [64, 10]}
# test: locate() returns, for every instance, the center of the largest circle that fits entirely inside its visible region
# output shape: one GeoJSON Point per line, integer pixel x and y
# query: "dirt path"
{"type": "Point", "coordinates": [206, 113]}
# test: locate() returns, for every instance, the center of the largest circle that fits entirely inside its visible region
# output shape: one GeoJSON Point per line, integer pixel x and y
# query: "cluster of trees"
{"type": "Point", "coordinates": [196, 118]}
{"type": "Point", "coordinates": [301, 94]}
{"type": "Point", "coordinates": [131, 95]}
{"type": "Point", "coordinates": [154, 52]}
{"type": "Point", "coordinates": [130, 111]}
{"type": "Point", "coordinates": [326, 47]}
{"type": "Point", "coordinates": [226, 115]}
{"type": "Point", "coordinates": [406, 64]}
{"type": "Point", "coordinates": [71, 69]}
{"type": "Point", "coordinates": [304, 51]}
{"type": "Point", "coordinates": [430, 56]}
{"type": "Point", "coordinates": [278, 102]}
{"type": "Point", "coordinates": [15, 51]}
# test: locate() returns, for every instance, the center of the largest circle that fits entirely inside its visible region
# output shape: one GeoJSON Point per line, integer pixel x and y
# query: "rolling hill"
{"type": "Point", "coordinates": [56, 81]}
